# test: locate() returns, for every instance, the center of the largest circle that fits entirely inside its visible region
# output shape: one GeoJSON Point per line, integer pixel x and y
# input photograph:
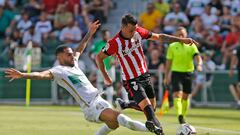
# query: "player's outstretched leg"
{"type": "Point", "coordinates": [127, 122]}
{"type": "Point", "coordinates": [104, 130]}
{"type": "Point", "coordinates": [113, 119]}
{"type": "Point", "coordinates": [121, 105]}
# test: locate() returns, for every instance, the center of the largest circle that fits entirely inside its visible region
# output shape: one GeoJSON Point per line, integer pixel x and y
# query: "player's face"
{"type": "Point", "coordinates": [128, 30]}
{"type": "Point", "coordinates": [67, 57]}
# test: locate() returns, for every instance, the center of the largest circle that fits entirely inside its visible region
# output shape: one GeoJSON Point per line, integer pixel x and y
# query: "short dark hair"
{"type": "Point", "coordinates": [129, 19]}
{"type": "Point", "coordinates": [60, 49]}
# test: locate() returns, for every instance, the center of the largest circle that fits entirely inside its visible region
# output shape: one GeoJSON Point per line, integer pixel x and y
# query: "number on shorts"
{"type": "Point", "coordinates": [135, 86]}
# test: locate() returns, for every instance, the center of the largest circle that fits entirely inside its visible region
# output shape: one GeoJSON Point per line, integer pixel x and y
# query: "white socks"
{"type": "Point", "coordinates": [124, 121]}
{"type": "Point", "coordinates": [104, 130]}
{"type": "Point", "coordinates": [127, 122]}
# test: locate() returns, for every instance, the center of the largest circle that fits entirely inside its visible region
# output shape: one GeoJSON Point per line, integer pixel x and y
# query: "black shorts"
{"type": "Point", "coordinates": [140, 88]}
{"type": "Point", "coordinates": [182, 81]}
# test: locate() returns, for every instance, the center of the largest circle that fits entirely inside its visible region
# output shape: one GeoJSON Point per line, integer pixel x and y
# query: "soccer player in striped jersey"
{"type": "Point", "coordinates": [127, 46]}
{"type": "Point", "coordinates": [69, 76]}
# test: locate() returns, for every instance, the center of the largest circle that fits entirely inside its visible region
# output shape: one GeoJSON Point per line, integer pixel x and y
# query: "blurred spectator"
{"type": "Point", "coordinates": [5, 20]}
{"type": "Point", "coordinates": [197, 30]}
{"type": "Point", "coordinates": [208, 18]}
{"type": "Point", "coordinates": [235, 4]}
{"type": "Point", "coordinates": [205, 78]}
{"type": "Point", "coordinates": [162, 7]}
{"type": "Point", "coordinates": [229, 44]}
{"type": "Point", "coordinates": [108, 62]}
{"type": "Point", "coordinates": [24, 23]}
{"type": "Point", "coordinates": [43, 26]}
{"type": "Point", "coordinates": [10, 4]}
{"type": "Point", "coordinates": [50, 6]}
{"type": "Point", "coordinates": [236, 20]}
{"type": "Point", "coordinates": [32, 35]}
{"type": "Point", "coordinates": [71, 34]}
{"type": "Point", "coordinates": [175, 19]}
{"type": "Point", "coordinates": [74, 6]}
{"type": "Point", "coordinates": [194, 8]}
{"type": "Point", "coordinates": [61, 17]}
{"type": "Point", "coordinates": [97, 9]}
{"type": "Point", "coordinates": [156, 63]}
{"type": "Point", "coordinates": [214, 40]}
{"type": "Point", "coordinates": [33, 8]}
{"type": "Point", "coordinates": [12, 41]}
{"type": "Point", "coordinates": [225, 21]}
{"type": "Point", "coordinates": [216, 6]}
{"type": "Point", "coordinates": [151, 19]}
{"type": "Point", "coordinates": [235, 87]}
{"type": "Point", "coordinates": [83, 19]}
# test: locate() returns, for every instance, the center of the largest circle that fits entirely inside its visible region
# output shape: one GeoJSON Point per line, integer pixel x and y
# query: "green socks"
{"type": "Point", "coordinates": [185, 105]}
{"type": "Point", "coordinates": [181, 106]}
{"type": "Point", "coordinates": [178, 105]}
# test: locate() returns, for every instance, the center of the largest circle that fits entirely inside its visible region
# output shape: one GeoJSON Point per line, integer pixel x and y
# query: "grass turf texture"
{"type": "Point", "coordinates": [68, 120]}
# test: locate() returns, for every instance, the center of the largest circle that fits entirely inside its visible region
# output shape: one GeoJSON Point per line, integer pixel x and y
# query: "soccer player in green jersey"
{"type": "Point", "coordinates": [180, 58]}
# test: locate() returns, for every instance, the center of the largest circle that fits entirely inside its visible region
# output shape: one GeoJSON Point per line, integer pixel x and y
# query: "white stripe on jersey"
{"type": "Point", "coordinates": [124, 61]}
{"type": "Point", "coordinates": [140, 56]}
{"type": "Point", "coordinates": [135, 64]}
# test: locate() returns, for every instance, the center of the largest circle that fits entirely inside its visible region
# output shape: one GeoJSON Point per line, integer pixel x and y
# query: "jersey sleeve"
{"type": "Point", "coordinates": [194, 50]}
{"type": "Point", "coordinates": [110, 48]}
{"type": "Point", "coordinates": [144, 33]}
{"type": "Point", "coordinates": [55, 72]}
{"type": "Point", "coordinates": [169, 52]}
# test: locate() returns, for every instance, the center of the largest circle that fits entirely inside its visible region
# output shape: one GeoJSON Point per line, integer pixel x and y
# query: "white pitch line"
{"type": "Point", "coordinates": [232, 132]}
{"type": "Point", "coordinates": [229, 132]}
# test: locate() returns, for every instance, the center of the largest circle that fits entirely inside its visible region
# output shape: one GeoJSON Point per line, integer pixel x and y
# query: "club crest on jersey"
{"type": "Point", "coordinates": [135, 45]}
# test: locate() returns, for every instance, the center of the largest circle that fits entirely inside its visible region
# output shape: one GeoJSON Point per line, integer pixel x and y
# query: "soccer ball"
{"type": "Point", "coordinates": [186, 129]}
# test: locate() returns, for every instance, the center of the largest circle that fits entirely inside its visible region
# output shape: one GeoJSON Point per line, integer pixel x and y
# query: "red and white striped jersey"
{"type": "Point", "coordinates": [129, 53]}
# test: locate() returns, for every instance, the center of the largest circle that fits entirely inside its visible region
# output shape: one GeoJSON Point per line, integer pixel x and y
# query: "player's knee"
{"type": "Point", "coordinates": [145, 102]}
{"type": "Point", "coordinates": [113, 125]}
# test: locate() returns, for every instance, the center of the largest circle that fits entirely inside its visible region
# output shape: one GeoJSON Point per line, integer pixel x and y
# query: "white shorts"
{"type": "Point", "coordinates": [93, 112]}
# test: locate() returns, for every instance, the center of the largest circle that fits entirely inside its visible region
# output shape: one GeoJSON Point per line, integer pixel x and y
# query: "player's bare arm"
{"type": "Point", "coordinates": [15, 74]}
{"type": "Point", "coordinates": [199, 62]}
{"type": "Point", "coordinates": [165, 38]}
{"type": "Point", "coordinates": [167, 72]}
{"type": "Point", "coordinates": [82, 45]}
{"type": "Point", "coordinates": [99, 60]}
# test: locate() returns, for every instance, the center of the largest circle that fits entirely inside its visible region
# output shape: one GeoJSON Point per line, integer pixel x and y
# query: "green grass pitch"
{"type": "Point", "coordinates": [69, 120]}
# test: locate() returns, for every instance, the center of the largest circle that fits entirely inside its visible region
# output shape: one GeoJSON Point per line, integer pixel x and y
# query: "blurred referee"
{"type": "Point", "coordinates": [180, 61]}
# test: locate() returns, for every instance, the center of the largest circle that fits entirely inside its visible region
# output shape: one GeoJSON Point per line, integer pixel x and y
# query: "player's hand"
{"type": "Point", "coordinates": [13, 74]}
{"type": "Point", "coordinates": [108, 81]}
{"type": "Point", "coordinates": [189, 41]}
{"type": "Point", "coordinates": [93, 27]}
{"type": "Point", "coordinates": [199, 68]}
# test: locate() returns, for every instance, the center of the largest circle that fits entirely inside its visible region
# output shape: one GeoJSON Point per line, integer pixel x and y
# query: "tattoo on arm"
{"type": "Point", "coordinates": [169, 39]}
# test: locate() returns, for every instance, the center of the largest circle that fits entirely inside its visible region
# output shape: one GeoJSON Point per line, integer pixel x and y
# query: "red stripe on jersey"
{"type": "Point", "coordinates": [137, 59]}
{"type": "Point", "coordinates": [129, 61]}
{"type": "Point", "coordinates": [144, 60]}
{"type": "Point", "coordinates": [123, 67]}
